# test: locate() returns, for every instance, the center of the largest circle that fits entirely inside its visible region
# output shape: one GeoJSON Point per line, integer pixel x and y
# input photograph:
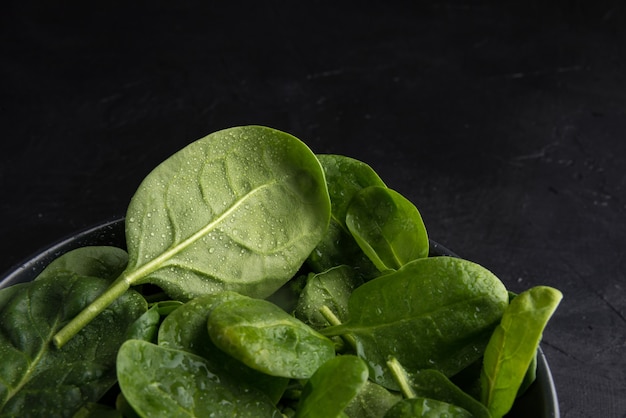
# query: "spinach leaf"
{"type": "Point", "coordinates": [431, 313]}
{"type": "Point", "coordinates": [513, 345]}
{"type": "Point", "coordinates": [240, 209]}
{"type": "Point", "coordinates": [427, 408]}
{"type": "Point", "coordinates": [345, 176]}
{"type": "Point", "coordinates": [159, 381]}
{"type": "Point", "coordinates": [372, 401]}
{"type": "Point", "coordinates": [331, 288]}
{"type": "Point", "coordinates": [388, 227]}
{"type": "Point", "coordinates": [105, 262]}
{"type": "Point", "coordinates": [333, 385]}
{"type": "Point", "coordinates": [186, 329]}
{"type": "Point", "coordinates": [147, 325]}
{"type": "Point", "coordinates": [39, 380]}
{"type": "Point", "coordinates": [266, 338]}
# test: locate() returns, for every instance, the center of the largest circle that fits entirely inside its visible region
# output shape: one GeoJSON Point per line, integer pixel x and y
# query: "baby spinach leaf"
{"type": "Point", "coordinates": [372, 401]}
{"type": "Point", "coordinates": [431, 313]}
{"type": "Point", "coordinates": [426, 408]}
{"type": "Point", "coordinates": [513, 345]}
{"type": "Point", "coordinates": [333, 385]}
{"type": "Point", "coordinates": [345, 176]}
{"type": "Point", "coordinates": [39, 380]}
{"type": "Point", "coordinates": [266, 338]}
{"type": "Point", "coordinates": [331, 288]}
{"type": "Point", "coordinates": [105, 262]}
{"type": "Point", "coordinates": [147, 325]}
{"type": "Point", "coordinates": [159, 381]}
{"type": "Point", "coordinates": [186, 329]}
{"type": "Point", "coordinates": [240, 209]}
{"type": "Point", "coordinates": [387, 226]}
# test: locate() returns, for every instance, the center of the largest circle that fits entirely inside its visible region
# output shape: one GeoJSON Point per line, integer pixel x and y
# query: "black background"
{"type": "Point", "coordinates": [503, 122]}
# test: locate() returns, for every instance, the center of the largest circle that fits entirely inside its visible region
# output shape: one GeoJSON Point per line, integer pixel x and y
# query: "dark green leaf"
{"type": "Point", "coordinates": [373, 401]}
{"type": "Point", "coordinates": [432, 313]}
{"type": "Point", "coordinates": [333, 385]}
{"type": "Point", "coordinates": [159, 381]}
{"type": "Point", "coordinates": [104, 262]}
{"type": "Point", "coordinates": [513, 345]}
{"type": "Point", "coordinates": [39, 380]}
{"type": "Point", "coordinates": [345, 176]}
{"type": "Point", "coordinates": [266, 338]}
{"type": "Point", "coordinates": [331, 288]}
{"type": "Point", "coordinates": [388, 227]}
{"type": "Point", "coordinates": [186, 329]}
{"type": "Point", "coordinates": [147, 325]}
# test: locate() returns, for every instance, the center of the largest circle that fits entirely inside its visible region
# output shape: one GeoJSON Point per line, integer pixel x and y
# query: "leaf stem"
{"type": "Point", "coordinates": [117, 289]}
{"type": "Point", "coordinates": [401, 377]}
{"type": "Point", "coordinates": [333, 320]}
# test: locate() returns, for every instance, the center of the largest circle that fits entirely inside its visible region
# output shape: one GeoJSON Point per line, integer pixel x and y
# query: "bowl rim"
{"type": "Point", "coordinates": [111, 232]}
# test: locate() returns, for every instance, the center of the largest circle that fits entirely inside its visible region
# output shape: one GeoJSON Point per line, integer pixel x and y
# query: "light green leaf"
{"type": "Point", "coordinates": [266, 338]}
{"type": "Point", "coordinates": [513, 346]}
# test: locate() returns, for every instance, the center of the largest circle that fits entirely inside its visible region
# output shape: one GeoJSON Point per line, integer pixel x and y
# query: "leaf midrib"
{"type": "Point", "coordinates": [134, 276]}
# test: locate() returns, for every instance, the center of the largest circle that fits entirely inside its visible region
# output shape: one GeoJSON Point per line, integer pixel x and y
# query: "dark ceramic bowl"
{"type": "Point", "coordinates": [540, 400]}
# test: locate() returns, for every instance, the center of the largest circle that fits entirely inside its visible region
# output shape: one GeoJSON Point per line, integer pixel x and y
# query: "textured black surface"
{"type": "Point", "coordinates": [503, 123]}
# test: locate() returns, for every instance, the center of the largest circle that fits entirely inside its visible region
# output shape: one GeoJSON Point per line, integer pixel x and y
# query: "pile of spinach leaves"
{"type": "Point", "coordinates": [261, 279]}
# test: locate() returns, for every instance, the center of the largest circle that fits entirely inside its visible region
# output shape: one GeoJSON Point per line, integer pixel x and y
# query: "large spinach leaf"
{"type": "Point", "coordinates": [431, 313]}
{"type": "Point", "coordinates": [331, 388]}
{"type": "Point", "coordinates": [186, 329]}
{"type": "Point", "coordinates": [387, 226]}
{"type": "Point", "coordinates": [36, 379]}
{"type": "Point", "coordinates": [345, 176]}
{"type": "Point", "coordinates": [240, 209]}
{"type": "Point", "coordinates": [266, 338]}
{"type": "Point", "coordinates": [513, 346]}
{"type": "Point", "coordinates": [159, 381]}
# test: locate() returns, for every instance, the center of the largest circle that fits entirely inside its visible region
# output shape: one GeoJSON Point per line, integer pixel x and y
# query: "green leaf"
{"type": "Point", "coordinates": [372, 401]}
{"type": "Point", "coordinates": [147, 325]}
{"type": "Point", "coordinates": [513, 345]}
{"type": "Point", "coordinates": [388, 227]}
{"type": "Point", "coordinates": [39, 380]}
{"type": "Point", "coordinates": [186, 329]}
{"type": "Point", "coordinates": [345, 176]}
{"type": "Point", "coordinates": [331, 388]}
{"type": "Point", "coordinates": [331, 288]}
{"type": "Point", "coordinates": [431, 313]}
{"type": "Point", "coordinates": [266, 338]}
{"type": "Point", "coordinates": [426, 408]}
{"type": "Point", "coordinates": [240, 209]}
{"type": "Point", "coordinates": [105, 262]}
{"type": "Point", "coordinates": [159, 381]}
